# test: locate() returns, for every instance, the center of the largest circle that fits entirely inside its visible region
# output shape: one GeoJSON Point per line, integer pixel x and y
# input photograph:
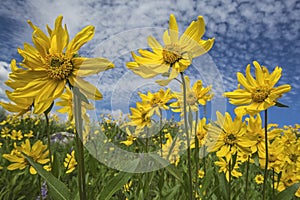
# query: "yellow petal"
{"type": "Point", "coordinates": [173, 29]}
{"type": "Point", "coordinates": [86, 88]}
{"type": "Point", "coordinates": [89, 66]}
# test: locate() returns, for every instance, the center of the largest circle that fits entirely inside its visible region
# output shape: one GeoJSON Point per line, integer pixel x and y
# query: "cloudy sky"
{"type": "Point", "coordinates": [264, 30]}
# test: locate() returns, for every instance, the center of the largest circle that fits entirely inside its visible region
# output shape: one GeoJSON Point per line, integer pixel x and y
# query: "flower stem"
{"type": "Point", "coordinates": [49, 139]}
{"type": "Point", "coordinates": [229, 182]}
{"type": "Point", "coordinates": [160, 132]}
{"type": "Point", "coordinates": [267, 155]}
{"type": "Point", "coordinates": [247, 177]}
{"type": "Point", "coordinates": [196, 149]}
{"type": "Point", "coordinates": [188, 138]}
{"type": "Point", "coordinates": [79, 143]}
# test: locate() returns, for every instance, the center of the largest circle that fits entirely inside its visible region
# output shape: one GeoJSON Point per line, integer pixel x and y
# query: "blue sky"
{"type": "Point", "coordinates": [266, 30]}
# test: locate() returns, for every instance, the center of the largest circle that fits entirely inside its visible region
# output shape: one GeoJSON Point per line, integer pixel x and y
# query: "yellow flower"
{"type": "Point", "coordinates": [258, 94]}
{"type": "Point", "coordinates": [259, 179]}
{"type": "Point", "coordinates": [16, 135]}
{"type": "Point", "coordinates": [140, 116]}
{"type": "Point", "coordinates": [224, 167]}
{"type": "Point", "coordinates": [255, 135]}
{"type": "Point", "coordinates": [130, 137]}
{"type": "Point", "coordinates": [224, 136]}
{"type": "Point", "coordinates": [194, 96]}
{"type": "Point", "coordinates": [70, 162]}
{"type": "Point", "coordinates": [176, 54]}
{"type": "Point", "coordinates": [170, 150]}
{"type": "Point", "coordinates": [5, 132]}
{"type": "Point", "coordinates": [38, 152]}
{"type": "Point", "coordinates": [29, 135]}
{"type": "Point", "coordinates": [156, 101]}
{"type": "Point", "coordinates": [67, 103]}
{"type": "Point", "coordinates": [201, 173]}
{"type": "Point", "coordinates": [53, 62]}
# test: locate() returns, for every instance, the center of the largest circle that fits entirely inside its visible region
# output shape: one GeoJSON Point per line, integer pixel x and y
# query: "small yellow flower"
{"type": "Point", "coordinates": [224, 167]}
{"type": "Point", "coordinates": [70, 162]}
{"type": "Point", "coordinates": [259, 179]}
{"type": "Point", "coordinates": [130, 137]}
{"type": "Point", "coordinates": [16, 135]}
{"type": "Point", "coordinates": [5, 133]}
{"type": "Point", "coordinates": [195, 96]}
{"type": "Point", "coordinates": [201, 173]}
{"type": "Point", "coordinates": [140, 116]}
{"type": "Point", "coordinates": [29, 135]}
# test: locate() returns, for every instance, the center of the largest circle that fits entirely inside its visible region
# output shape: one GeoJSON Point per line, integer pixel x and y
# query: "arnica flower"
{"type": "Point", "coordinates": [195, 96]}
{"type": "Point", "coordinates": [257, 94]}
{"type": "Point", "coordinates": [175, 55]}
{"type": "Point", "coordinates": [171, 149]}
{"type": "Point", "coordinates": [16, 135]}
{"type": "Point", "coordinates": [67, 103]}
{"type": "Point", "coordinates": [201, 132]}
{"type": "Point", "coordinates": [224, 167]}
{"type": "Point", "coordinates": [259, 179]}
{"type": "Point", "coordinates": [130, 137]}
{"type": "Point", "coordinates": [140, 116]}
{"type": "Point", "coordinates": [70, 162]}
{"type": "Point", "coordinates": [224, 136]}
{"type": "Point", "coordinates": [52, 63]}
{"type": "Point", "coordinates": [255, 135]}
{"type": "Point", "coordinates": [157, 101]}
{"type": "Point", "coordinates": [38, 152]}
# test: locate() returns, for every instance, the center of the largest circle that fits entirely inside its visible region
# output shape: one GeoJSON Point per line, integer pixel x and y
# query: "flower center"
{"type": "Point", "coordinates": [260, 95]}
{"type": "Point", "coordinates": [59, 67]}
{"type": "Point", "coordinates": [171, 53]}
{"type": "Point", "coordinates": [155, 101]}
{"type": "Point", "coordinates": [191, 98]}
{"type": "Point", "coordinates": [230, 139]}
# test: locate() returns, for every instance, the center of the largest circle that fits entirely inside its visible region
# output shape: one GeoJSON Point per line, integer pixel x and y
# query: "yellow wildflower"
{"type": "Point", "coordinates": [258, 94]}
{"type": "Point", "coordinates": [176, 54]}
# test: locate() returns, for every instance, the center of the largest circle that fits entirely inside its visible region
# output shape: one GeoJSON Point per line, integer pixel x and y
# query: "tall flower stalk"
{"type": "Point", "coordinates": [188, 138]}
{"type": "Point", "coordinates": [267, 155]}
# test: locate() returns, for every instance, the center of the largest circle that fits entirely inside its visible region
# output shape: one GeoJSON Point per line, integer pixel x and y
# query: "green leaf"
{"type": "Point", "coordinates": [115, 184]}
{"type": "Point", "coordinates": [170, 168]}
{"type": "Point", "coordinates": [81, 96]}
{"type": "Point", "coordinates": [288, 193]}
{"type": "Point", "coordinates": [281, 105]}
{"type": "Point", "coordinates": [58, 188]}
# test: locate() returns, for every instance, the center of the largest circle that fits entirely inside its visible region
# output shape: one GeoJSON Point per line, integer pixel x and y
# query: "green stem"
{"type": "Point", "coordinates": [196, 148]}
{"type": "Point", "coordinates": [160, 132]}
{"type": "Point", "coordinates": [229, 183]}
{"type": "Point", "coordinates": [188, 138]}
{"type": "Point", "coordinates": [273, 181]}
{"type": "Point", "coordinates": [267, 155]}
{"type": "Point", "coordinates": [247, 177]}
{"type": "Point", "coordinates": [79, 143]}
{"type": "Point", "coordinates": [49, 139]}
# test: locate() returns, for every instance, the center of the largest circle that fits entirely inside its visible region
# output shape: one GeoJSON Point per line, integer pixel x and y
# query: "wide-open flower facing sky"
{"type": "Point", "coordinates": [266, 30]}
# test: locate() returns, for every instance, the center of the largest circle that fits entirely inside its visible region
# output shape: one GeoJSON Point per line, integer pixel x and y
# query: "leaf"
{"type": "Point", "coordinates": [281, 105]}
{"type": "Point", "coordinates": [59, 189]}
{"type": "Point", "coordinates": [288, 193]}
{"type": "Point", "coordinates": [81, 96]}
{"type": "Point", "coordinates": [114, 185]}
{"type": "Point", "coordinates": [170, 168]}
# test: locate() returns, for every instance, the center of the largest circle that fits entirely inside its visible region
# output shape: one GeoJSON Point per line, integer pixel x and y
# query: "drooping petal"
{"type": "Point", "coordinates": [89, 66]}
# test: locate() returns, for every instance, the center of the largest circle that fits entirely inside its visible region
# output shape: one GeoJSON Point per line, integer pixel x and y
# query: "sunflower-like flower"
{"type": "Point", "coordinates": [195, 96]}
{"type": "Point", "coordinates": [224, 136]}
{"type": "Point", "coordinates": [157, 101]}
{"type": "Point", "coordinates": [38, 152]}
{"type": "Point", "coordinates": [52, 63]}
{"type": "Point", "coordinates": [255, 135]}
{"type": "Point", "coordinates": [67, 103]}
{"type": "Point", "coordinates": [70, 162]}
{"type": "Point", "coordinates": [201, 131]}
{"type": "Point", "coordinates": [140, 116]}
{"type": "Point", "coordinates": [258, 94]}
{"type": "Point", "coordinates": [224, 167]}
{"type": "Point", "coordinates": [259, 179]}
{"type": "Point", "coordinates": [175, 55]}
